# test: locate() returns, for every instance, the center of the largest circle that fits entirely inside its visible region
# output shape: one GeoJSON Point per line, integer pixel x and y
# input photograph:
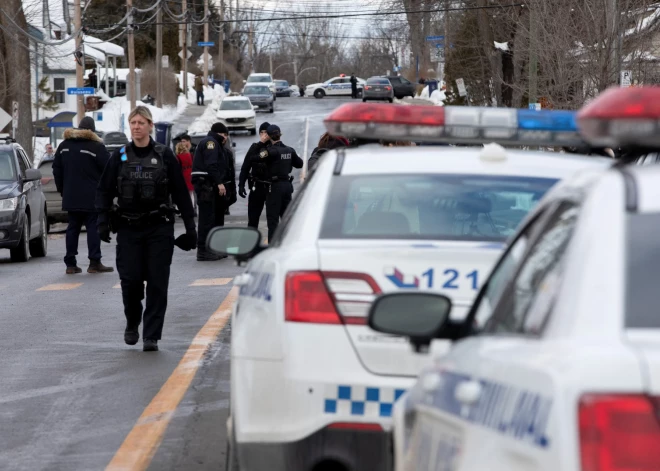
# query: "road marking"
{"type": "Point", "coordinates": [143, 440]}
{"type": "Point", "coordinates": [211, 282]}
{"type": "Point", "coordinates": [60, 287]}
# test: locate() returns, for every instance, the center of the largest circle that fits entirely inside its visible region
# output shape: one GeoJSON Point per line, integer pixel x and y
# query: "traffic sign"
{"type": "Point", "coordinates": [5, 119]}
{"type": "Point", "coordinates": [435, 38]}
{"type": "Point", "coordinates": [206, 44]}
{"type": "Point", "coordinates": [626, 78]}
{"type": "Point", "coordinates": [165, 62]}
{"type": "Point", "coordinates": [438, 55]}
{"type": "Point", "coordinates": [189, 54]}
{"type": "Point", "coordinates": [460, 83]}
{"type": "Point", "coordinates": [80, 91]}
{"type": "Point", "coordinates": [535, 106]}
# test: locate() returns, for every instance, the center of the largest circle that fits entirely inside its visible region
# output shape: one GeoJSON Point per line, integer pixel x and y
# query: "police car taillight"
{"type": "Point", "coordinates": [621, 117]}
{"type": "Point", "coordinates": [328, 297]}
{"type": "Point", "coordinates": [619, 433]}
{"type": "Point", "coordinates": [455, 124]}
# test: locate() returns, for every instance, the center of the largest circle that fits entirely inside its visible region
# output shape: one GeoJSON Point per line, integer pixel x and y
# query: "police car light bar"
{"type": "Point", "coordinates": [621, 117]}
{"type": "Point", "coordinates": [455, 124]}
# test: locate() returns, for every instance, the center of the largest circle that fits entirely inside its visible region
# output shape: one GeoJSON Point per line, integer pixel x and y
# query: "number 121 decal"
{"type": "Point", "coordinates": [445, 279]}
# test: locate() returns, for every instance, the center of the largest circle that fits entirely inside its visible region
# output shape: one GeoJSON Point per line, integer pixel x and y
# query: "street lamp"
{"type": "Point", "coordinates": [306, 68]}
{"type": "Point", "coordinates": [286, 63]}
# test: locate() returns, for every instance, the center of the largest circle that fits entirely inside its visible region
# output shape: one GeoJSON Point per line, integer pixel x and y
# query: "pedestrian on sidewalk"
{"type": "Point", "coordinates": [77, 167]}
{"type": "Point", "coordinates": [184, 157]}
{"type": "Point", "coordinates": [199, 88]}
{"type": "Point", "coordinates": [144, 176]}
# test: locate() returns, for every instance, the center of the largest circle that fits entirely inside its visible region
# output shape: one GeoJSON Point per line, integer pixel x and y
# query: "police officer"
{"type": "Point", "coordinates": [281, 159]}
{"type": "Point", "coordinates": [210, 172]}
{"type": "Point", "coordinates": [255, 172]}
{"type": "Point", "coordinates": [145, 177]}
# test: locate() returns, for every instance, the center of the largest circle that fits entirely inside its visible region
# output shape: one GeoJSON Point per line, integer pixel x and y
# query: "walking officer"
{"type": "Point", "coordinates": [255, 172]}
{"type": "Point", "coordinates": [146, 178]}
{"type": "Point", "coordinates": [281, 159]}
{"type": "Point", "coordinates": [210, 172]}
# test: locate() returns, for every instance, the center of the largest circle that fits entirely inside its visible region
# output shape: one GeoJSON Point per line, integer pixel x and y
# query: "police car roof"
{"type": "Point", "coordinates": [464, 160]}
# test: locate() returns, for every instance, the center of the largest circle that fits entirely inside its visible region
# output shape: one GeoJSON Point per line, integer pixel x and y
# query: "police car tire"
{"type": "Point", "coordinates": [319, 94]}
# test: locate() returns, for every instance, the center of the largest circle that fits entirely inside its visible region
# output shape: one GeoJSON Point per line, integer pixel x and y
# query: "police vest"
{"type": "Point", "coordinates": [142, 182]}
{"type": "Point", "coordinates": [280, 158]}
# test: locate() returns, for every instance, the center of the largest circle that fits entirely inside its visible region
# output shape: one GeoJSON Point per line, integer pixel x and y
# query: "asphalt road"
{"type": "Point", "coordinates": [73, 396]}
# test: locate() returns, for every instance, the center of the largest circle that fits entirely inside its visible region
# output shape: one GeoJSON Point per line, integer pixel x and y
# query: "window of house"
{"type": "Point", "coordinates": [59, 87]}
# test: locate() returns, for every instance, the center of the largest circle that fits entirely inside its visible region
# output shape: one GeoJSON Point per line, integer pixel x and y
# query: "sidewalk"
{"type": "Point", "coordinates": [186, 118]}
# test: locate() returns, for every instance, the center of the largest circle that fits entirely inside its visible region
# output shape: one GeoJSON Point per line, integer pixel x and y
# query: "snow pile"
{"type": "Point", "coordinates": [295, 91]}
{"type": "Point", "coordinates": [438, 97]}
{"type": "Point", "coordinates": [203, 124]}
{"type": "Point", "coordinates": [210, 92]}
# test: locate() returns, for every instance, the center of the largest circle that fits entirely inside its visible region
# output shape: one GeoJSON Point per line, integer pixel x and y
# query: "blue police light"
{"type": "Point", "coordinates": [547, 120]}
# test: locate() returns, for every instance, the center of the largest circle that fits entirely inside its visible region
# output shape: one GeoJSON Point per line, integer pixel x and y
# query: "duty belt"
{"type": "Point", "coordinates": [287, 178]}
{"type": "Point", "coordinates": [164, 213]}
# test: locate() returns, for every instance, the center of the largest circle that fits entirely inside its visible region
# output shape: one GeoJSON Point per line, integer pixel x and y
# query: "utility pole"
{"type": "Point", "coordinates": [221, 41]}
{"type": "Point", "coordinates": [80, 61]}
{"type": "Point", "coordinates": [206, 38]}
{"type": "Point", "coordinates": [295, 71]}
{"type": "Point", "coordinates": [131, 56]}
{"type": "Point", "coordinates": [615, 39]}
{"type": "Point", "coordinates": [533, 59]}
{"type": "Point", "coordinates": [270, 58]}
{"type": "Point", "coordinates": [251, 41]}
{"type": "Point", "coordinates": [159, 58]}
{"type": "Point", "coordinates": [444, 65]}
{"type": "Point", "coordinates": [185, 49]}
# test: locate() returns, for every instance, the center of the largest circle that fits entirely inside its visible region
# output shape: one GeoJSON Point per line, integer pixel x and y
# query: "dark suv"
{"type": "Point", "coordinates": [23, 217]}
{"type": "Point", "coordinates": [402, 86]}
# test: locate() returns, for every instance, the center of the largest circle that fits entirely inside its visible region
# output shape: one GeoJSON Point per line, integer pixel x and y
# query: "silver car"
{"type": "Point", "coordinates": [378, 88]}
{"type": "Point", "coordinates": [260, 96]}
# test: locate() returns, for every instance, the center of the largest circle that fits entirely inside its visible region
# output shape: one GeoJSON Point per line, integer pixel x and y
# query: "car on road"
{"type": "Point", "coordinates": [53, 197]}
{"type": "Point", "coordinates": [311, 383]}
{"type": "Point", "coordinates": [23, 210]}
{"type": "Point", "coordinates": [282, 88]}
{"type": "Point", "coordinates": [237, 113]}
{"type": "Point", "coordinates": [114, 140]}
{"type": "Point", "coordinates": [262, 79]}
{"type": "Point", "coordinates": [378, 88]}
{"type": "Point", "coordinates": [557, 363]}
{"type": "Point", "coordinates": [336, 86]}
{"type": "Point", "coordinates": [260, 96]}
{"type": "Point", "coordinates": [402, 86]}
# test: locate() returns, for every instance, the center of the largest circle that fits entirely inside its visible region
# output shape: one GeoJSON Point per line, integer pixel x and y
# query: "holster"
{"type": "Point", "coordinates": [204, 189]}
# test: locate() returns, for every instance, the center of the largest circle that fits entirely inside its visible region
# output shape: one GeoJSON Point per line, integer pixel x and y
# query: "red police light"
{"type": "Point", "coordinates": [622, 117]}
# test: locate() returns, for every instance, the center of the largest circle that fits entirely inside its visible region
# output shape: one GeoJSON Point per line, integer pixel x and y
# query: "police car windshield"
{"type": "Point", "coordinates": [235, 105]}
{"type": "Point", "coordinates": [437, 207]}
{"type": "Point", "coordinates": [256, 91]}
{"type": "Point", "coordinates": [259, 79]}
{"type": "Point", "coordinates": [7, 170]}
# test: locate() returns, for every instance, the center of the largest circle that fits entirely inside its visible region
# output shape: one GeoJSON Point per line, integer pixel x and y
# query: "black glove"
{"type": "Point", "coordinates": [104, 232]}
{"type": "Point", "coordinates": [187, 241]}
{"type": "Point", "coordinates": [241, 192]}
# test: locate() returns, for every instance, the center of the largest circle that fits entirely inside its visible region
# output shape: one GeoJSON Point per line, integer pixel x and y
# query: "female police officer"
{"type": "Point", "coordinates": [145, 177]}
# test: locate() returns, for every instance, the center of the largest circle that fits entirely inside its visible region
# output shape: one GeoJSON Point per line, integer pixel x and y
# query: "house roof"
{"type": "Point", "coordinates": [61, 57]}
{"type": "Point", "coordinates": [112, 50]}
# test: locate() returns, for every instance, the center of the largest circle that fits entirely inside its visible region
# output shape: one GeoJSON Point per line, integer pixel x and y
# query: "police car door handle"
{"type": "Point", "coordinates": [468, 392]}
{"type": "Point", "coordinates": [242, 279]}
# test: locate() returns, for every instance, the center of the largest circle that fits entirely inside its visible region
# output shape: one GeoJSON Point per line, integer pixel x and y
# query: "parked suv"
{"type": "Point", "coordinates": [402, 86]}
{"type": "Point", "coordinates": [23, 212]}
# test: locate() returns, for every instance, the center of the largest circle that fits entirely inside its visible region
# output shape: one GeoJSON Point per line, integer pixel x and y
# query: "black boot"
{"type": "Point", "coordinates": [131, 336]}
{"type": "Point", "coordinates": [150, 345]}
{"type": "Point", "coordinates": [204, 256]}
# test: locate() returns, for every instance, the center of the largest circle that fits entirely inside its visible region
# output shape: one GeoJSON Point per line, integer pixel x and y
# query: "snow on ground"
{"type": "Point", "coordinates": [203, 124]}
{"type": "Point", "coordinates": [438, 96]}
{"type": "Point", "coordinates": [210, 92]}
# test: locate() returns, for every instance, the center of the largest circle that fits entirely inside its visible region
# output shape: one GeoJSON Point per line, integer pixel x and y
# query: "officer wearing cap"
{"type": "Point", "coordinates": [210, 172]}
{"type": "Point", "coordinates": [255, 172]}
{"type": "Point", "coordinates": [281, 159]}
{"type": "Point", "coordinates": [145, 177]}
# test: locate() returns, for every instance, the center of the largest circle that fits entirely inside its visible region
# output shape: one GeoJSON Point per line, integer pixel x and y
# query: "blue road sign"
{"type": "Point", "coordinates": [206, 44]}
{"type": "Point", "coordinates": [435, 38]}
{"type": "Point", "coordinates": [80, 91]}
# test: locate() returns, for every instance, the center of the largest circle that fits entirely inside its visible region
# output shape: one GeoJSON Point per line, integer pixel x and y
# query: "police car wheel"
{"type": "Point", "coordinates": [319, 94]}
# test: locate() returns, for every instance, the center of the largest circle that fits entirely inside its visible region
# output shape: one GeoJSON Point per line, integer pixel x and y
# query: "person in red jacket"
{"type": "Point", "coordinates": [186, 161]}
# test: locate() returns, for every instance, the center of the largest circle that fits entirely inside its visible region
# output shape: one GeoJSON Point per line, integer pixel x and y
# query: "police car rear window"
{"type": "Point", "coordinates": [436, 207]}
{"type": "Point", "coordinates": [642, 268]}
{"type": "Point", "coordinates": [7, 170]}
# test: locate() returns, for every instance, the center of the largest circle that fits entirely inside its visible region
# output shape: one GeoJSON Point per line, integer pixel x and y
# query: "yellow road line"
{"type": "Point", "coordinates": [140, 446]}
{"type": "Point", "coordinates": [60, 287]}
{"type": "Point", "coordinates": [211, 282]}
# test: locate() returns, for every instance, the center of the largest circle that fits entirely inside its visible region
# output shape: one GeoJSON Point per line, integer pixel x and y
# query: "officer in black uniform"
{"type": "Point", "coordinates": [146, 178]}
{"type": "Point", "coordinates": [281, 159]}
{"type": "Point", "coordinates": [255, 172]}
{"type": "Point", "coordinates": [210, 172]}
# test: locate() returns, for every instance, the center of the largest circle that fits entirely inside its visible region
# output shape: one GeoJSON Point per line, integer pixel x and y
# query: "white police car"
{"type": "Point", "coordinates": [336, 86]}
{"type": "Point", "coordinates": [565, 372]}
{"type": "Point", "coordinates": [310, 381]}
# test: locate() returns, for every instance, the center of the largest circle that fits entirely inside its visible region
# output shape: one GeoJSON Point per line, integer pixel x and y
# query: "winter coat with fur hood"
{"type": "Point", "coordinates": [77, 168]}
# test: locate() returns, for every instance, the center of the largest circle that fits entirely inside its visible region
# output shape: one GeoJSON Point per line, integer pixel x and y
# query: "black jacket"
{"type": "Point", "coordinates": [108, 191]}
{"type": "Point", "coordinates": [211, 160]}
{"type": "Point", "coordinates": [251, 158]}
{"type": "Point", "coordinates": [77, 168]}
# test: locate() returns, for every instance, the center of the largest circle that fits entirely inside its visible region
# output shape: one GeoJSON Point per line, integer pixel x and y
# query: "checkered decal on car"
{"type": "Point", "coordinates": [360, 401]}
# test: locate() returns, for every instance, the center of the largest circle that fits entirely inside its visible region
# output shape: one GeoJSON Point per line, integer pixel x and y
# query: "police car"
{"type": "Point", "coordinates": [564, 372]}
{"type": "Point", "coordinates": [311, 382]}
{"type": "Point", "coordinates": [336, 86]}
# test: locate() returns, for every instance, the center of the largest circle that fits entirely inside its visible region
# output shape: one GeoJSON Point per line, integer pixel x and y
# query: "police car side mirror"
{"type": "Point", "coordinates": [239, 242]}
{"type": "Point", "coordinates": [418, 316]}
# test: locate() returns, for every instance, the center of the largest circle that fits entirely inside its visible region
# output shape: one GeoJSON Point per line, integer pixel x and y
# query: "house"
{"type": "Point", "coordinates": [51, 20]}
